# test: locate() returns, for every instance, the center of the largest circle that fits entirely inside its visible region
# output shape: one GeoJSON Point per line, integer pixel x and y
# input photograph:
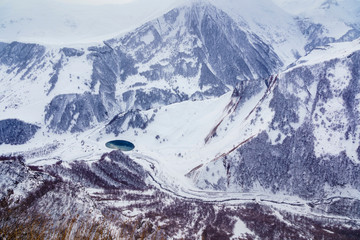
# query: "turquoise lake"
{"type": "Point", "coordinates": [120, 145]}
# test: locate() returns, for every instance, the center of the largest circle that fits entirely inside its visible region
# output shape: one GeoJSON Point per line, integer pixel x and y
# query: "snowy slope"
{"type": "Point", "coordinates": [274, 25]}
{"type": "Point", "coordinates": [309, 134]}
{"type": "Point", "coordinates": [326, 53]}
{"type": "Point", "coordinates": [27, 90]}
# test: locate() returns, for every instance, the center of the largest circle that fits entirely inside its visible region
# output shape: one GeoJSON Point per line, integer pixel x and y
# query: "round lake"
{"type": "Point", "coordinates": [121, 145]}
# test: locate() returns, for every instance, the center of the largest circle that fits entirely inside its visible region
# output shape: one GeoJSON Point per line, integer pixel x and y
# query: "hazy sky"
{"type": "Point", "coordinates": [97, 2]}
{"type": "Point", "coordinates": [92, 2]}
{"type": "Point", "coordinates": [64, 21]}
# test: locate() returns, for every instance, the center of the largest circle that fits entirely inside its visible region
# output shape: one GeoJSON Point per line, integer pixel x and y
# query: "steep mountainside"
{"type": "Point", "coordinates": [310, 144]}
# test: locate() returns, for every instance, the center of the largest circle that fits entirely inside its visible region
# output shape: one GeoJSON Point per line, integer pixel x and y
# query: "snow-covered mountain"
{"type": "Point", "coordinates": [324, 22]}
{"type": "Point", "coordinates": [304, 132]}
{"type": "Point", "coordinates": [234, 107]}
{"type": "Point", "coordinates": [170, 59]}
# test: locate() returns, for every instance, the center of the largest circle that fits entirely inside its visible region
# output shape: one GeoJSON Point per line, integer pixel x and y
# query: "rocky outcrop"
{"type": "Point", "coordinates": [131, 119]}
{"type": "Point", "coordinates": [72, 52]}
{"type": "Point", "coordinates": [75, 112]}
{"type": "Point", "coordinates": [21, 56]}
{"type": "Point", "coordinates": [317, 34]}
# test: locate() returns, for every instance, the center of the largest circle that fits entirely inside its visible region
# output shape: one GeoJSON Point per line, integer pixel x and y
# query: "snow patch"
{"type": "Point", "coordinates": [148, 38]}
{"type": "Point", "coordinates": [240, 230]}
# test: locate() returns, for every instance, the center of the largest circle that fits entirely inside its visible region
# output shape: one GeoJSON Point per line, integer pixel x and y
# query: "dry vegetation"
{"type": "Point", "coordinates": [38, 227]}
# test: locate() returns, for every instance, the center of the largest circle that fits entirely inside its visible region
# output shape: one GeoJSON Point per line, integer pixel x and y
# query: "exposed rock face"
{"type": "Point", "coordinates": [75, 112]}
{"type": "Point", "coordinates": [20, 56]}
{"type": "Point", "coordinates": [145, 100]}
{"type": "Point", "coordinates": [72, 52]}
{"type": "Point", "coordinates": [110, 67]}
{"type": "Point", "coordinates": [15, 132]}
{"type": "Point", "coordinates": [133, 119]}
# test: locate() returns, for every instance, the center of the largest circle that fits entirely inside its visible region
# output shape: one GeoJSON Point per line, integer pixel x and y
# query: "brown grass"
{"type": "Point", "coordinates": [38, 227]}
